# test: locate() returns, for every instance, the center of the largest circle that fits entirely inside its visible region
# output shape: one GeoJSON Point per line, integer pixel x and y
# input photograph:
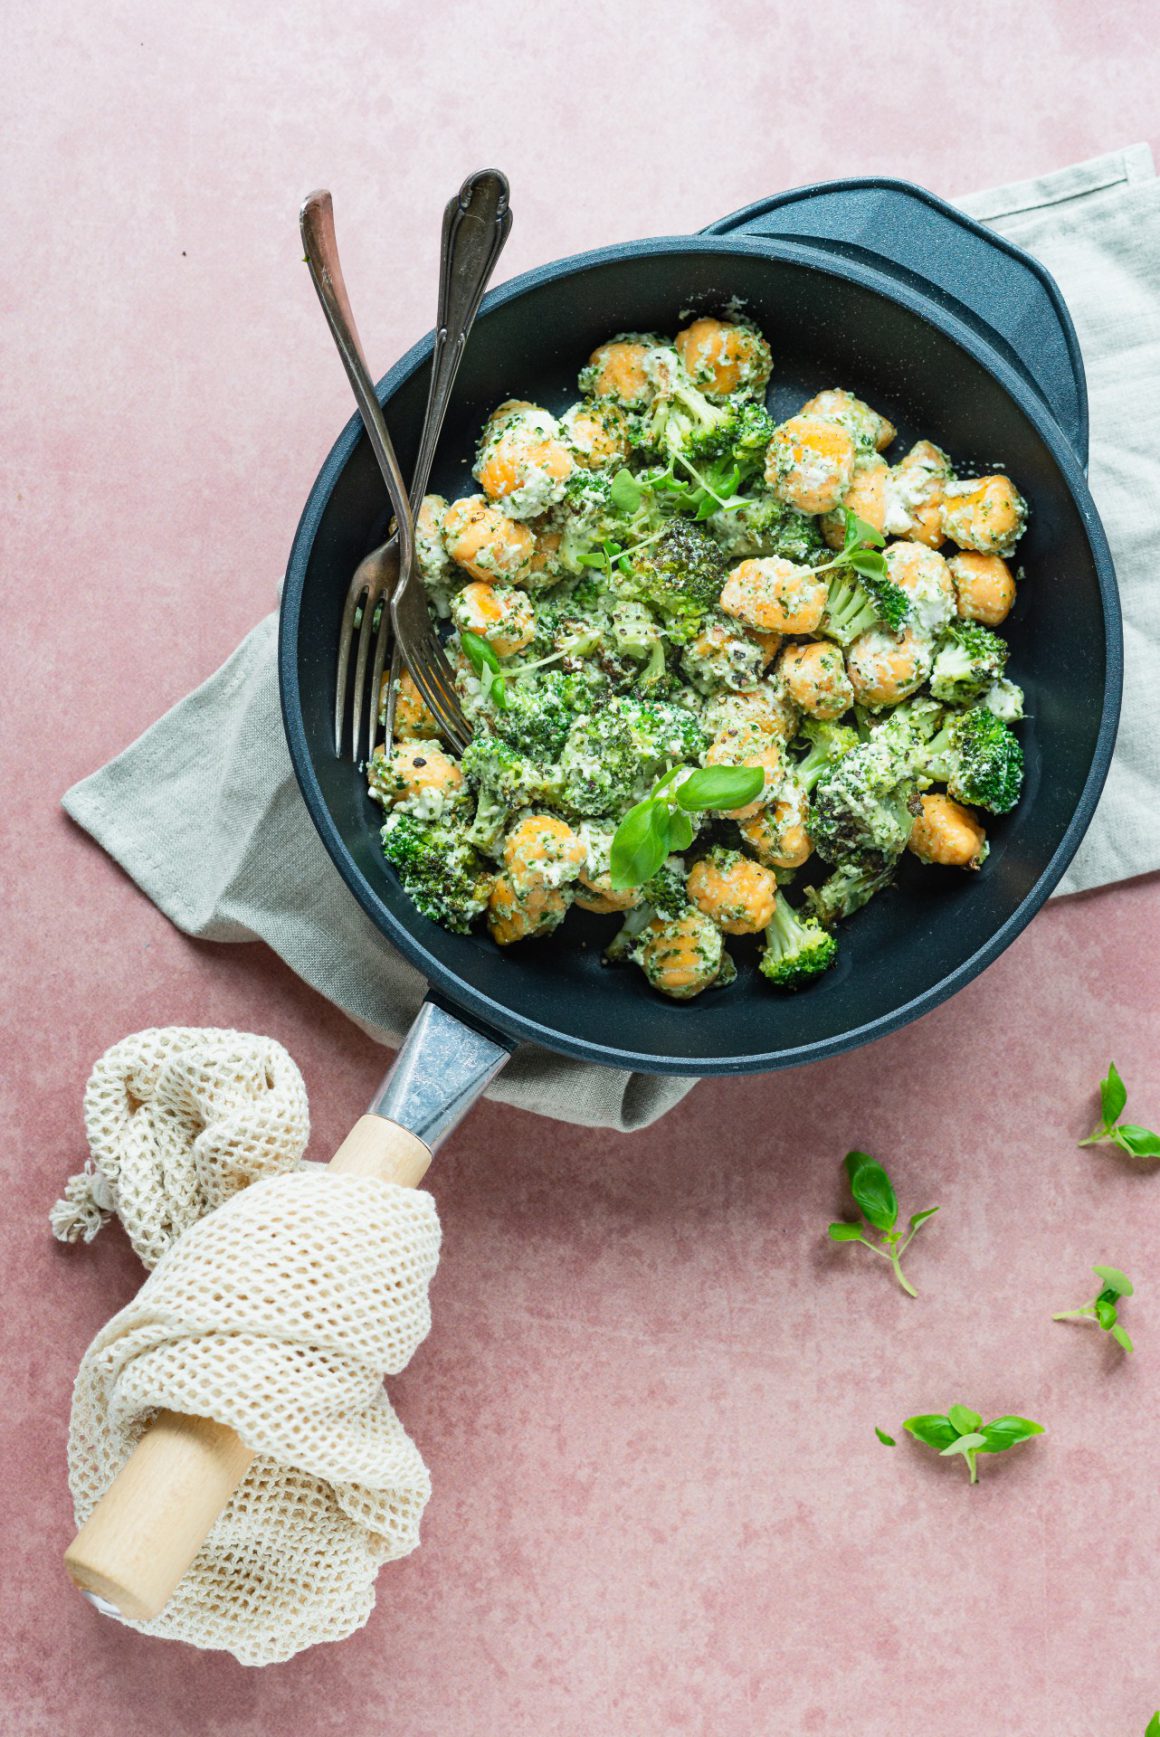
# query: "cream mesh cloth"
{"type": "Point", "coordinates": [277, 1308]}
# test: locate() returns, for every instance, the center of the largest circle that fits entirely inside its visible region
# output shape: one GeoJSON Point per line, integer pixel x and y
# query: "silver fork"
{"type": "Point", "coordinates": [475, 227]}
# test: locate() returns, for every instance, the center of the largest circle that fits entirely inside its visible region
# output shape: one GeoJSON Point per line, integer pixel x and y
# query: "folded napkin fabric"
{"type": "Point", "coordinates": [241, 860]}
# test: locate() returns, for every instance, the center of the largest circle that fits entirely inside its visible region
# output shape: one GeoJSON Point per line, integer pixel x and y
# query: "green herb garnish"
{"type": "Point", "coordinates": [886, 1440]}
{"type": "Point", "coordinates": [660, 824]}
{"type": "Point", "coordinates": [1138, 1142]}
{"type": "Point", "coordinates": [486, 665]}
{"type": "Point", "coordinates": [1103, 1307]}
{"type": "Point", "coordinates": [876, 1201]}
{"type": "Point", "coordinates": [854, 552]}
{"type": "Point", "coordinates": [962, 1431]}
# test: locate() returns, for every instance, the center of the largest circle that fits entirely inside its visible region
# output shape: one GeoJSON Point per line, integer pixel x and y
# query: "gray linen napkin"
{"type": "Point", "coordinates": [204, 814]}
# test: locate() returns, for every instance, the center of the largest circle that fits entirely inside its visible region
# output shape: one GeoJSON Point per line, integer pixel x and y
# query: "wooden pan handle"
{"type": "Point", "coordinates": [154, 1517]}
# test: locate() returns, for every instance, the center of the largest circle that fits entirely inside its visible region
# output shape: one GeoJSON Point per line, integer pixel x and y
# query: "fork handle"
{"type": "Point", "coordinates": [316, 222]}
{"type": "Point", "coordinates": [476, 224]}
{"type": "Point", "coordinates": [154, 1517]}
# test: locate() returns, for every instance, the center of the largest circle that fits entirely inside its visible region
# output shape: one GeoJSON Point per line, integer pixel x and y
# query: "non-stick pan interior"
{"type": "Point", "coordinates": [917, 942]}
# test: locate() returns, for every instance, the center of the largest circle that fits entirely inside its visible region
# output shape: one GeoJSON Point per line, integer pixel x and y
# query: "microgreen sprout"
{"type": "Point", "coordinates": [1138, 1142]}
{"type": "Point", "coordinates": [486, 665]}
{"type": "Point", "coordinates": [854, 551]}
{"type": "Point", "coordinates": [875, 1199]}
{"type": "Point", "coordinates": [962, 1431]}
{"type": "Point", "coordinates": [886, 1440]}
{"type": "Point", "coordinates": [660, 824]}
{"type": "Point", "coordinates": [1103, 1307]}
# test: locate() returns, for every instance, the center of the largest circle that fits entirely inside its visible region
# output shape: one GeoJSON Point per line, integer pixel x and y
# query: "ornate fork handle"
{"type": "Point", "coordinates": [475, 227]}
{"type": "Point", "coordinates": [321, 247]}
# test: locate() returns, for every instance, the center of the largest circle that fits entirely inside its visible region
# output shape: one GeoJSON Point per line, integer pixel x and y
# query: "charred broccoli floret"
{"type": "Point", "coordinates": [636, 633]}
{"type": "Point", "coordinates": [760, 524]}
{"type": "Point", "coordinates": [681, 575]}
{"type": "Point", "coordinates": [863, 804]}
{"type": "Point", "coordinates": [662, 731]}
{"type": "Point", "coordinates": [600, 765]}
{"type": "Point", "coordinates": [505, 775]}
{"type": "Point", "coordinates": [859, 602]}
{"type": "Point", "coordinates": [969, 661]}
{"type": "Point", "coordinates": [978, 758]}
{"type": "Point", "coordinates": [846, 891]}
{"type": "Point", "coordinates": [797, 949]}
{"type": "Point", "coordinates": [825, 743]}
{"type": "Point", "coordinates": [440, 871]}
{"type": "Point", "coordinates": [538, 714]}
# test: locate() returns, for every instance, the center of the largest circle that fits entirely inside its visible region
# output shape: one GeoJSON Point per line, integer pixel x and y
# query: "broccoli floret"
{"type": "Point", "coordinates": [538, 714]}
{"type": "Point", "coordinates": [665, 892]}
{"type": "Point", "coordinates": [846, 891]}
{"type": "Point", "coordinates": [661, 731]}
{"type": "Point", "coordinates": [797, 949]}
{"type": "Point", "coordinates": [863, 804]}
{"type": "Point", "coordinates": [825, 742]}
{"type": "Point", "coordinates": [859, 602]}
{"type": "Point", "coordinates": [760, 524]}
{"type": "Point", "coordinates": [1005, 699]}
{"type": "Point", "coordinates": [499, 771]}
{"type": "Point", "coordinates": [979, 758]}
{"type": "Point", "coordinates": [681, 420]}
{"type": "Point", "coordinates": [969, 660]}
{"type": "Point", "coordinates": [663, 896]}
{"type": "Point", "coordinates": [440, 871]}
{"type": "Point", "coordinates": [600, 765]}
{"type": "Point", "coordinates": [636, 633]}
{"type": "Point", "coordinates": [681, 575]}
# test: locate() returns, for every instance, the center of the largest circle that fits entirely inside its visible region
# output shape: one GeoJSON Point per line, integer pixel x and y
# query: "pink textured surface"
{"type": "Point", "coordinates": [648, 1398]}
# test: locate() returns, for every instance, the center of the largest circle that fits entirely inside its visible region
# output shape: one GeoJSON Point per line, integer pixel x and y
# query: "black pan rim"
{"type": "Point", "coordinates": [495, 1014]}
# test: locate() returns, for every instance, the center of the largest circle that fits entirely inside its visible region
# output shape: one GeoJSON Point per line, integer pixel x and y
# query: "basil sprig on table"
{"type": "Point", "coordinates": [962, 1431]}
{"type": "Point", "coordinates": [1138, 1142]}
{"type": "Point", "coordinates": [876, 1200]}
{"type": "Point", "coordinates": [1153, 1727]}
{"type": "Point", "coordinates": [660, 824]}
{"type": "Point", "coordinates": [486, 666]}
{"type": "Point", "coordinates": [1104, 1307]}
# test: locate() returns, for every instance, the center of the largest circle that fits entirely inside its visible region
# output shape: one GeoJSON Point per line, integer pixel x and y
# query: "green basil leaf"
{"type": "Point", "coordinates": [640, 845]}
{"type": "Point", "coordinates": [886, 1440]}
{"type": "Point", "coordinates": [1153, 1729]}
{"type": "Point", "coordinates": [964, 1419]}
{"type": "Point", "coordinates": [929, 1427]}
{"type": "Point", "coordinates": [964, 1444]}
{"type": "Point", "coordinates": [868, 561]}
{"type": "Point", "coordinates": [1140, 1142]}
{"type": "Point", "coordinates": [861, 531]}
{"type": "Point", "coordinates": [844, 1233]}
{"type": "Point", "coordinates": [709, 505]}
{"type": "Point", "coordinates": [680, 830]}
{"type": "Point", "coordinates": [873, 1194]}
{"type": "Point", "coordinates": [1113, 1096]}
{"type": "Point", "coordinates": [625, 494]}
{"type": "Point", "coordinates": [1105, 1313]}
{"type": "Point", "coordinates": [479, 653]}
{"type": "Point", "coordinates": [1115, 1280]}
{"type": "Point", "coordinates": [1003, 1433]}
{"type": "Point", "coordinates": [1122, 1339]}
{"type": "Point", "coordinates": [723, 787]}
{"type": "Point", "coordinates": [917, 1218]}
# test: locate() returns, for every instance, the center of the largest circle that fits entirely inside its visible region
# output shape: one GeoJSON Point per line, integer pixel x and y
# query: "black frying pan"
{"type": "Point", "coordinates": [872, 285]}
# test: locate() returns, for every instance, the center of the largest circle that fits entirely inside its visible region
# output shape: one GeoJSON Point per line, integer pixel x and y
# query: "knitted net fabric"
{"type": "Point", "coordinates": [276, 1307]}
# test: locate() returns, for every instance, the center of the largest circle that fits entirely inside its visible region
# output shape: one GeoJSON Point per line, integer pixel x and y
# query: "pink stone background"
{"type": "Point", "coordinates": [648, 1399]}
